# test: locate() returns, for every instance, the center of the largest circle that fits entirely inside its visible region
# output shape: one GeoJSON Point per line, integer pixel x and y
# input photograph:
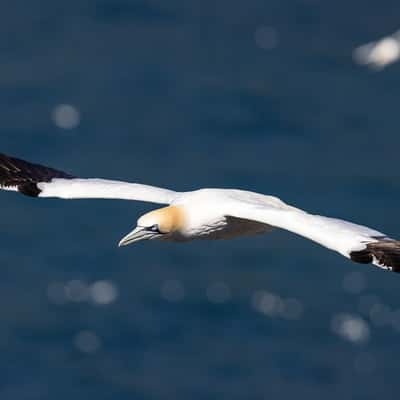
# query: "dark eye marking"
{"type": "Point", "coordinates": [154, 228]}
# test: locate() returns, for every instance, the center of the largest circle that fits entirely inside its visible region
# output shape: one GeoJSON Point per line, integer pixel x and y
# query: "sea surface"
{"type": "Point", "coordinates": [259, 95]}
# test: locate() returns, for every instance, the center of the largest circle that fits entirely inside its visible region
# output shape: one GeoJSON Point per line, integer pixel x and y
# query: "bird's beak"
{"type": "Point", "coordinates": [139, 233]}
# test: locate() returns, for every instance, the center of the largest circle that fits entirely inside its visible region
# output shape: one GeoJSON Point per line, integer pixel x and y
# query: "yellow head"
{"type": "Point", "coordinates": [156, 224]}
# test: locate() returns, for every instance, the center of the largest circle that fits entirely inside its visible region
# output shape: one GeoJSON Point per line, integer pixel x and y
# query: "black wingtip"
{"type": "Point", "coordinates": [25, 176]}
{"type": "Point", "coordinates": [383, 253]}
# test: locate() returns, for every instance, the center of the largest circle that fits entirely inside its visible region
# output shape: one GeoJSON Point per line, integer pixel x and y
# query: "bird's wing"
{"type": "Point", "coordinates": [359, 243]}
{"type": "Point", "coordinates": [40, 181]}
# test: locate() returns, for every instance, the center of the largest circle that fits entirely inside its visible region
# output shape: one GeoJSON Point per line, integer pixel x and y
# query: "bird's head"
{"type": "Point", "coordinates": [157, 224]}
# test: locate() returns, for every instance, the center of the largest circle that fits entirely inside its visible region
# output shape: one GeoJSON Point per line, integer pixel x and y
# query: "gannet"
{"type": "Point", "coordinates": [205, 213]}
{"type": "Point", "coordinates": [380, 53]}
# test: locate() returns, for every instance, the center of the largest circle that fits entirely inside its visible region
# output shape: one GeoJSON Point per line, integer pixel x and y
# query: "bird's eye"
{"type": "Point", "coordinates": [154, 228]}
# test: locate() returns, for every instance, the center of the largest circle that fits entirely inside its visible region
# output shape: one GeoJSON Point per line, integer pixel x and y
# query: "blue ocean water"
{"type": "Point", "coordinates": [258, 95]}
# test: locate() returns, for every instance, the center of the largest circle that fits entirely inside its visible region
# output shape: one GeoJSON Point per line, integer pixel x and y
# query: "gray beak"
{"type": "Point", "coordinates": [139, 233]}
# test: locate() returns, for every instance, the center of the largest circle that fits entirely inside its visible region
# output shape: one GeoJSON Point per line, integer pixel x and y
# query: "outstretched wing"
{"type": "Point", "coordinates": [39, 181]}
{"type": "Point", "coordinates": [356, 242]}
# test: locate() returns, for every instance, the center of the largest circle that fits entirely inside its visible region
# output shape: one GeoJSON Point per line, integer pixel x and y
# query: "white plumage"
{"type": "Point", "coordinates": [206, 213]}
{"type": "Point", "coordinates": [103, 189]}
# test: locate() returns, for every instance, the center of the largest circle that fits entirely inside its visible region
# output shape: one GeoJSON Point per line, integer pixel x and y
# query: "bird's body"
{"type": "Point", "coordinates": [211, 213]}
{"type": "Point", "coordinates": [210, 223]}
{"type": "Point", "coordinates": [206, 213]}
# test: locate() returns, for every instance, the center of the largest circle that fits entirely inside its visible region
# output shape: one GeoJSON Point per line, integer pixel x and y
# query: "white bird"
{"type": "Point", "coordinates": [205, 213]}
{"type": "Point", "coordinates": [380, 53]}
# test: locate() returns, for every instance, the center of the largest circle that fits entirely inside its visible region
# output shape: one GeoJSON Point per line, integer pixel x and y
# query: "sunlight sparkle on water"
{"type": "Point", "coordinates": [87, 342]}
{"type": "Point", "coordinates": [66, 116]}
{"type": "Point", "coordinates": [172, 290]}
{"type": "Point", "coordinates": [350, 327]}
{"type": "Point", "coordinates": [379, 54]}
{"type": "Point", "coordinates": [103, 292]}
{"type": "Point", "coordinates": [266, 37]}
{"type": "Point", "coordinates": [273, 305]}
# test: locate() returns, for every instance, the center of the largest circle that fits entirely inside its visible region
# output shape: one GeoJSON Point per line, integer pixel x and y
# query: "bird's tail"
{"type": "Point", "coordinates": [382, 253]}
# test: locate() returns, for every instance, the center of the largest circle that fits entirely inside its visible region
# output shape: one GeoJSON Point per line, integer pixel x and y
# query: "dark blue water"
{"type": "Point", "coordinates": [182, 95]}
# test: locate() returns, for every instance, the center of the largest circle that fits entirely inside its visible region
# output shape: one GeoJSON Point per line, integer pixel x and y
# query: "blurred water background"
{"type": "Point", "coordinates": [259, 95]}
